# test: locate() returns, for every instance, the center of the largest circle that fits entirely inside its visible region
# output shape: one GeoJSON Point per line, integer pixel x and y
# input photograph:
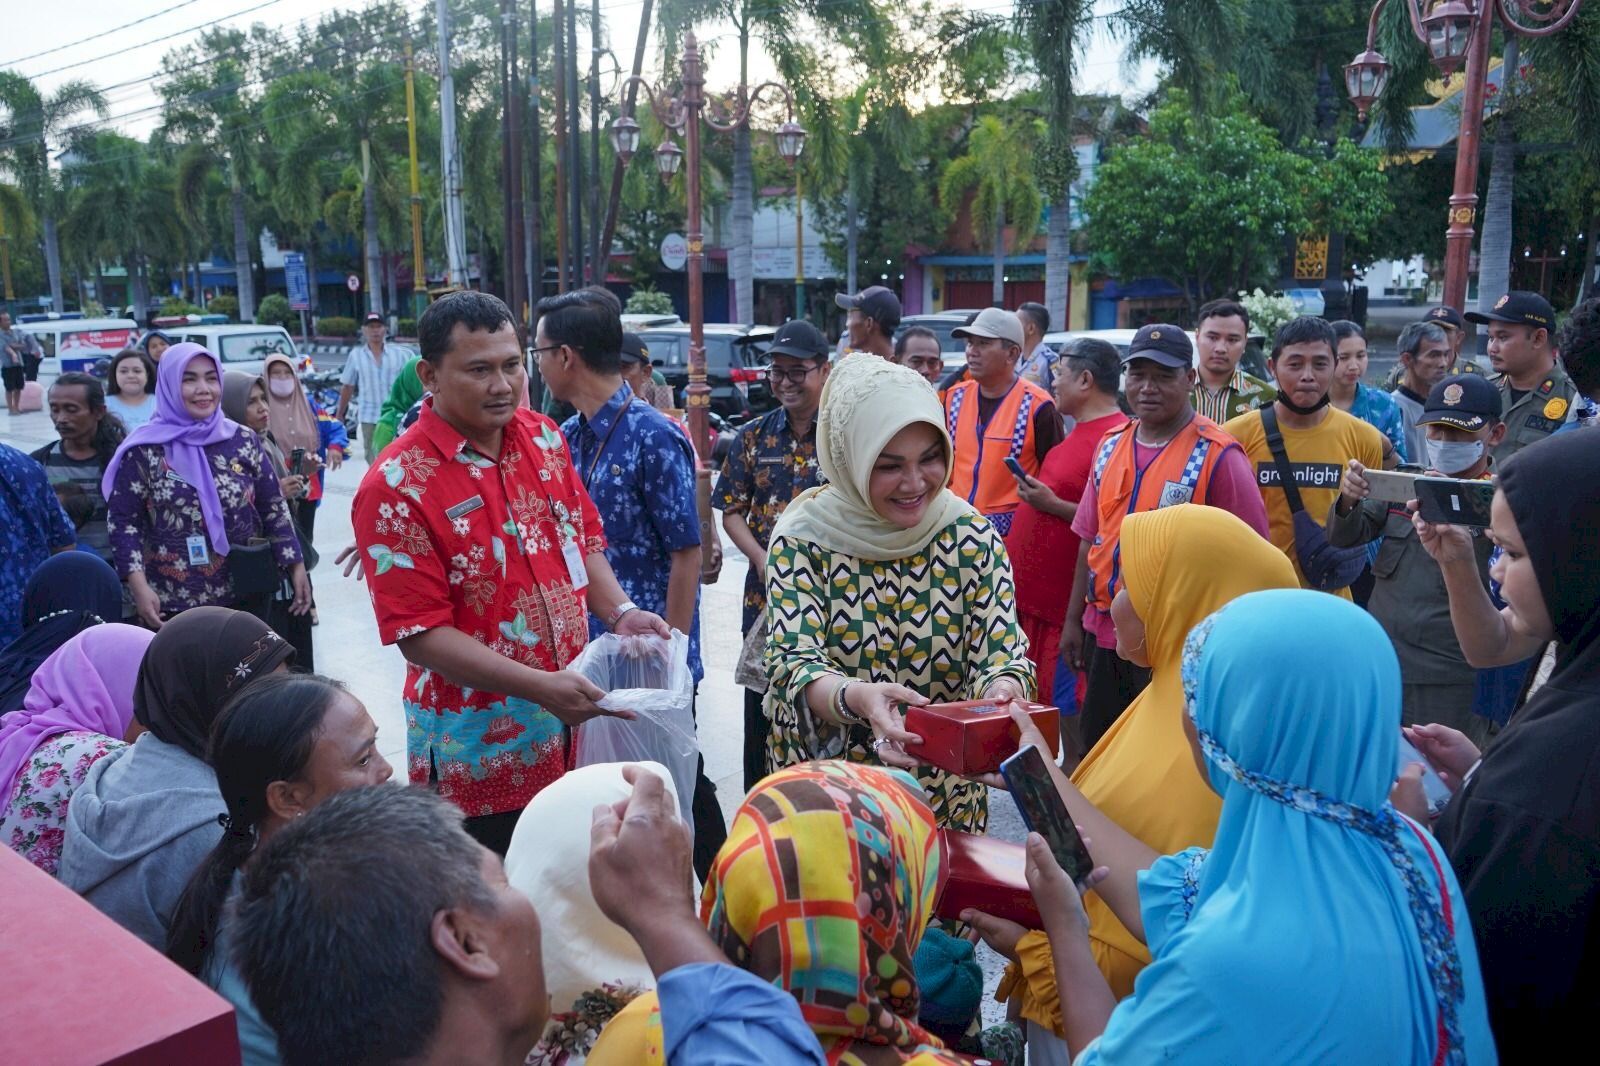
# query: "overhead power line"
{"type": "Point", "coordinates": [96, 36]}
{"type": "Point", "coordinates": [154, 40]}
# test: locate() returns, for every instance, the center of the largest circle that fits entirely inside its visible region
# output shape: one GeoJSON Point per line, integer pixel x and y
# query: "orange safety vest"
{"type": "Point", "coordinates": [981, 476]}
{"type": "Point", "coordinates": [1181, 473]}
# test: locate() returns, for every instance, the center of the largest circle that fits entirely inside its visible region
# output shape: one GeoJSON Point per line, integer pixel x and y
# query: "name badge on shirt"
{"type": "Point", "coordinates": [465, 507]}
{"type": "Point", "coordinates": [576, 570]}
{"type": "Point", "coordinates": [1174, 493]}
{"type": "Point", "coordinates": [199, 551]}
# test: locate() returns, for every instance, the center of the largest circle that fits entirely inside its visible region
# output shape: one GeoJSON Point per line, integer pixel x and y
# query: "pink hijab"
{"type": "Point", "coordinates": [86, 684]}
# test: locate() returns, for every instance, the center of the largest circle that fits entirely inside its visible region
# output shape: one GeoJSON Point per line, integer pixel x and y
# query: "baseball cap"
{"type": "Point", "coordinates": [993, 322]}
{"type": "Point", "coordinates": [1522, 308]}
{"type": "Point", "coordinates": [800, 339]}
{"type": "Point", "coordinates": [1161, 342]}
{"type": "Point", "coordinates": [1448, 317]}
{"type": "Point", "coordinates": [634, 349]}
{"type": "Point", "coordinates": [874, 301]}
{"type": "Point", "coordinates": [373, 317]}
{"type": "Point", "coordinates": [1464, 401]}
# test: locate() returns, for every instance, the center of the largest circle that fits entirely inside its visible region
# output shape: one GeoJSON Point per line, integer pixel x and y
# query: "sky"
{"type": "Point", "coordinates": [124, 60]}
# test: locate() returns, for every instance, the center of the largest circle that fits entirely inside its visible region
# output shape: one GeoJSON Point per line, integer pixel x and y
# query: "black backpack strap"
{"type": "Point", "coordinates": [1280, 457]}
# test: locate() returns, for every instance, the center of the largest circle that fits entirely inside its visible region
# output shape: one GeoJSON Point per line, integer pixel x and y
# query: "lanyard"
{"type": "Point", "coordinates": [600, 451]}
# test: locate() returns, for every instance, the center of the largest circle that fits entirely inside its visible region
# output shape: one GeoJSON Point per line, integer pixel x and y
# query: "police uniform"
{"type": "Point", "coordinates": [1542, 410]}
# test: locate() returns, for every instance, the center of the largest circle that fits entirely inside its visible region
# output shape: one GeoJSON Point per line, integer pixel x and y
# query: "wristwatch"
{"type": "Point", "coordinates": [622, 608]}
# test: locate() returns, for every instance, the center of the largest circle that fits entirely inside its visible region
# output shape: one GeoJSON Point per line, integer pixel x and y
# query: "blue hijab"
{"type": "Point", "coordinates": [1322, 926]}
{"type": "Point", "coordinates": [68, 593]}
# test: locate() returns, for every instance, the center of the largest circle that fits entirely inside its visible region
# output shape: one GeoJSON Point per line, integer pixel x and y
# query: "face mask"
{"type": "Point", "coordinates": [282, 388]}
{"type": "Point", "coordinates": [1452, 457]}
{"type": "Point", "coordinates": [1283, 398]}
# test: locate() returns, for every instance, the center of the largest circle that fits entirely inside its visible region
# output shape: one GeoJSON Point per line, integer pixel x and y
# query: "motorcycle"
{"type": "Point", "coordinates": [323, 387]}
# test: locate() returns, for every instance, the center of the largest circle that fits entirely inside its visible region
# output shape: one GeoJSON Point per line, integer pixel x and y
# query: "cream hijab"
{"type": "Point", "coordinates": [866, 401]}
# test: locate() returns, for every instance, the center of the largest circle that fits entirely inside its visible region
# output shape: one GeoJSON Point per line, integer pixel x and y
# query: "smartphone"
{"type": "Point", "coordinates": [1391, 486]}
{"type": "Point", "coordinates": [1454, 501]}
{"type": "Point", "coordinates": [1015, 467]}
{"type": "Point", "coordinates": [1044, 812]}
{"type": "Point", "coordinates": [1433, 785]}
{"type": "Point", "coordinates": [296, 458]}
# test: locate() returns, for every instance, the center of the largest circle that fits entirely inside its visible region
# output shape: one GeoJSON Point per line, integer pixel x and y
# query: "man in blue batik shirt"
{"type": "Point", "coordinates": [34, 527]}
{"type": "Point", "coordinates": [639, 468]}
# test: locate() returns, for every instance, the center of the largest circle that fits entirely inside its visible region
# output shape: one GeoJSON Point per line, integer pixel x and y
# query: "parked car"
{"type": "Point", "coordinates": [953, 349]}
{"type": "Point", "coordinates": [240, 347]}
{"type": "Point", "coordinates": [71, 342]}
{"type": "Point", "coordinates": [1254, 361]}
{"type": "Point", "coordinates": [636, 321]}
{"type": "Point", "coordinates": [735, 365]}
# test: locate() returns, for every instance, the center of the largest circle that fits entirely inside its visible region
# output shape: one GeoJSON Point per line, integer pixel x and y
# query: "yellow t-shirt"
{"type": "Point", "coordinates": [1318, 458]}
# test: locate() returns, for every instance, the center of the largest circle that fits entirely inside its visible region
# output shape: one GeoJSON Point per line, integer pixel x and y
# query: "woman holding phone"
{"type": "Point", "coordinates": [301, 427]}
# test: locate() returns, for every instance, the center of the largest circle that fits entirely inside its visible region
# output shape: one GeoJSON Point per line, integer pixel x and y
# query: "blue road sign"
{"type": "Point", "coordinates": [299, 284]}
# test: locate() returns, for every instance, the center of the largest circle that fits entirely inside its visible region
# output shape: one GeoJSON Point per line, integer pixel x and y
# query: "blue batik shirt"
{"type": "Point", "coordinates": [34, 528]}
{"type": "Point", "coordinates": [639, 469]}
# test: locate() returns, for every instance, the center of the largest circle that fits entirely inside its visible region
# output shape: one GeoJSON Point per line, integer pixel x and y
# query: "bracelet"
{"type": "Point", "coordinates": [842, 711]}
{"type": "Point", "coordinates": [622, 608]}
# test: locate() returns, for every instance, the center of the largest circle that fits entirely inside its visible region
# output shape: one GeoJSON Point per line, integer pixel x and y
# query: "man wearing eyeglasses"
{"type": "Point", "coordinates": [773, 461]}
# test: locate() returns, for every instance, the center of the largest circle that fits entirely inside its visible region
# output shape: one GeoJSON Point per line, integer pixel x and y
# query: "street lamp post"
{"type": "Point", "coordinates": [1456, 32]}
{"type": "Point", "coordinates": [684, 114]}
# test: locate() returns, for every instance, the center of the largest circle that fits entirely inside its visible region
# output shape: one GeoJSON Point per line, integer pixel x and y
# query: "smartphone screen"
{"type": "Point", "coordinates": [1044, 812]}
{"type": "Point", "coordinates": [1433, 785]}
{"type": "Point", "coordinates": [1015, 467]}
{"type": "Point", "coordinates": [296, 459]}
{"type": "Point", "coordinates": [1452, 501]}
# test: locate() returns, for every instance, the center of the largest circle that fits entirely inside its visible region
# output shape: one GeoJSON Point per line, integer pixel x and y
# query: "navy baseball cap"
{"type": "Point", "coordinates": [874, 301]}
{"type": "Point", "coordinates": [1521, 308]}
{"type": "Point", "coordinates": [634, 349]}
{"type": "Point", "coordinates": [373, 318]}
{"type": "Point", "coordinates": [800, 339]}
{"type": "Point", "coordinates": [1163, 343]}
{"type": "Point", "coordinates": [1464, 401]}
{"type": "Point", "coordinates": [1446, 316]}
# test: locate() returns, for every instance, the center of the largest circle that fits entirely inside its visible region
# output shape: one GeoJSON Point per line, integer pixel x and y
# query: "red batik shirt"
{"type": "Point", "coordinates": [449, 537]}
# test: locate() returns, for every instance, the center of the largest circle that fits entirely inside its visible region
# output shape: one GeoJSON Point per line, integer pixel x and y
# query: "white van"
{"type": "Point", "coordinates": [240, 347]}
{"type": "Point", "coordinates": [78, 343]}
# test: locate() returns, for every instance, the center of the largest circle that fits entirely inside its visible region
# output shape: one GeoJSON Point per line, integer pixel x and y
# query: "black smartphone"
{"type": "Point", "coordinates": [1015, 467]}
{"type": "Point", "coordinates": [296, 459]}
{"type": "Point", "coordinates": [1044, 812]}
{"type": "Point", "coordinates": [1453, 501]}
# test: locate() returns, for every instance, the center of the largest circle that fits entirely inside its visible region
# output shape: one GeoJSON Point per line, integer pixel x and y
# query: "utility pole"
{"type": "Point", "coordinates": [631, 97]}
{"type": "Point", "coordinates": [533, 239]}
{"type": "Point", "coordinates": [799, 249]}
{"type": "Point", "coordinates": [455, 228]}
{"type": "Point", "coordinates": [597, 258]}
{"type": "Point", "coordinates": [565, 273]}
{"type": "Point", "coordinates": [507, 293]}
{"type": "Point", "coordinates": [516, 282]}
{"type": "Point", "coordinates": [419, 274]}
{"type": "Point", "coordinates": [574, 147]}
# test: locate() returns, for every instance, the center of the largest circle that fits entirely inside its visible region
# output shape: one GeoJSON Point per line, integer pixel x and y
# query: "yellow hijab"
{"type": "Point", "coordinates": [866, 401]}
{"type": "Point", "coordinates": [1179, 564]}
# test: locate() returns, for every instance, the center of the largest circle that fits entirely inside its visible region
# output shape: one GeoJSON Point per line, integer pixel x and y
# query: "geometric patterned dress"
{"type": "Point", "coordinates": [942, 622]}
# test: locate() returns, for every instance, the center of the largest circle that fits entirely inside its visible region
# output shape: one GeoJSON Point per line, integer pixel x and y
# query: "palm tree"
{"type": "Point", "coordinates": [119, 206]}
{"type": "Point", "coordinates": [16, 223]}
{"type": "Point", "coordinates": [997, 171]}
{"type": "Point", "coordinates": [1052, 29]}
{"type": "Point", "coordinates": [207, 105]}
{"type": "Point", "coordinates": [1569, 72]}
{"type": "Point", "coordinates": [790, 30]}
{"type": "Point", "coordinates": [1494, 242]}
{"type": "Point", "coordinates": [31, 122]}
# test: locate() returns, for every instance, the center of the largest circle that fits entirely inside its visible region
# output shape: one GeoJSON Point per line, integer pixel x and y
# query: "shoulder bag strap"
{"type": "Point", "coordinates": [1280, 457]}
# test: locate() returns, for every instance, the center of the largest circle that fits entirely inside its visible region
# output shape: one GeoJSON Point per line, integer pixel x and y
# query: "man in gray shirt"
{"type": "Point", "coordinates": [1425, 354]}
{"type": "Point", "coordinates": [369, 373]}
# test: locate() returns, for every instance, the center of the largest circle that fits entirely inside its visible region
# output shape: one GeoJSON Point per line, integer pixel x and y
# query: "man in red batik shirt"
{"type": "Point", "coordinates": [1042, 545]}
{"type": "Point", "coordinates": [484, 555]}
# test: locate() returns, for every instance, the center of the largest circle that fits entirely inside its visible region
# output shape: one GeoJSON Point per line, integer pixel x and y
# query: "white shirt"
{"type": "Point", "coordinates": [373, 377]}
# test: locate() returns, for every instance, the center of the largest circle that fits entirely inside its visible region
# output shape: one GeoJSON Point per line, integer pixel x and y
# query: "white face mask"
{"type": "Point", "coordinates": [1452, 456]}
{"type": "Point", "coordinates": [282, 388]}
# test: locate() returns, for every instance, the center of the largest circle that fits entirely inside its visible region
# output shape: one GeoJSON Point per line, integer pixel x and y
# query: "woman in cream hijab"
{"type": "Point", "coordinates": [884, 588]}
{"type": "Point", "coordinates": [592, 969]}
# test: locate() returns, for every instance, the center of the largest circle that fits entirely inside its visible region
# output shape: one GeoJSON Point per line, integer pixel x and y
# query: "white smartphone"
{"type": "Point", "coordinates": [1433, 785]}
{"type": "Point", "coordinates": [1391, 486]}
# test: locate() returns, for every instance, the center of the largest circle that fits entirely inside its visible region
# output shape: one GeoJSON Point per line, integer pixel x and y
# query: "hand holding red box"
{"type": "Point", "coordinates": [974, 737]}
{"type": "Point", "coordinates": [988, 875]}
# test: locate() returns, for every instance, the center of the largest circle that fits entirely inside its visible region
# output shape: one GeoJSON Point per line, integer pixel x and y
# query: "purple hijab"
{"type": "Point", "coordinates": [87, 684]}
{"type": "Point", "coordinates": [182, 437]}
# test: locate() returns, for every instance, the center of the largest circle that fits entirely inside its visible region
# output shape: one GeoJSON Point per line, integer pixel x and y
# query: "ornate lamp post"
{"type": "Point", "coordinates": [1457, 31]}
{"type": "Point", "coordinates": [684, 114]}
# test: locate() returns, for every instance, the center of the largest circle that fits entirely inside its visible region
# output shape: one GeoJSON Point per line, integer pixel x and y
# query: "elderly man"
{"type": "Point", "coordinates": [997, 417]}
{"type": "Point", "coordinates": [873, 316]}
{"type": "Point", "coordinates": [1425, 354]}
{"type": "Point", "coordinates": [370, 369]}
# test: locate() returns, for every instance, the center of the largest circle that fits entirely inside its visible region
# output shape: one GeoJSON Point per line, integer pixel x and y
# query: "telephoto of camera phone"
{"type": "Point", "coordinates": [1044, 812]}
{"type": "Point", "coordinates": [1453, 501]}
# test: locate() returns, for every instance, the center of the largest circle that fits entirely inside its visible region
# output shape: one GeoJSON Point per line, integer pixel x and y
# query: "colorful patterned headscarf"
{"type": "Point", "coordinates": [827, 881]}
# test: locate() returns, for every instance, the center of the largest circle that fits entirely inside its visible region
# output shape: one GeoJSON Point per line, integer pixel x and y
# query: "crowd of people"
{"type": "Point", "coordinates": [1207, 572]}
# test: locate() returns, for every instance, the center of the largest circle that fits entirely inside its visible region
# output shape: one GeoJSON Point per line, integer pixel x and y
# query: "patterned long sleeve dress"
{"type": "Point", "coordinates": [942, 622]}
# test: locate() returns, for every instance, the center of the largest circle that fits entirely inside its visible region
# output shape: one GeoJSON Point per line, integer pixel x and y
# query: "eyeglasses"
{"type": "Point", "coordinates": [794, 375]}
{"type": "Point", "coordinates": [538, 353]}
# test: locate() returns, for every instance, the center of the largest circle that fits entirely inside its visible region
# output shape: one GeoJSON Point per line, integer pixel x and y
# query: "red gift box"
{"type": "Point", "coordinates": [975, 736]}
{"type": "Point", "coordinates": [988, 875]}
{"type": "Point", "coordinates": [66, 960]}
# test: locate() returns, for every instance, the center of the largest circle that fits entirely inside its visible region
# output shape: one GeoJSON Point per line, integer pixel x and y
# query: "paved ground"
{"type": "Point", "coordinates": [347, 648]}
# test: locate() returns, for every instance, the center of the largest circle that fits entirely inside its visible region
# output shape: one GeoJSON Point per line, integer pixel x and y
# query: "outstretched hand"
{"type": "Point", "coordinates": [640, 865]}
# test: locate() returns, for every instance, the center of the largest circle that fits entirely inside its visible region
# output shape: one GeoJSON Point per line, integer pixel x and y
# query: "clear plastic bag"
{"type": "Point", "coordinates": [650, 677]}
